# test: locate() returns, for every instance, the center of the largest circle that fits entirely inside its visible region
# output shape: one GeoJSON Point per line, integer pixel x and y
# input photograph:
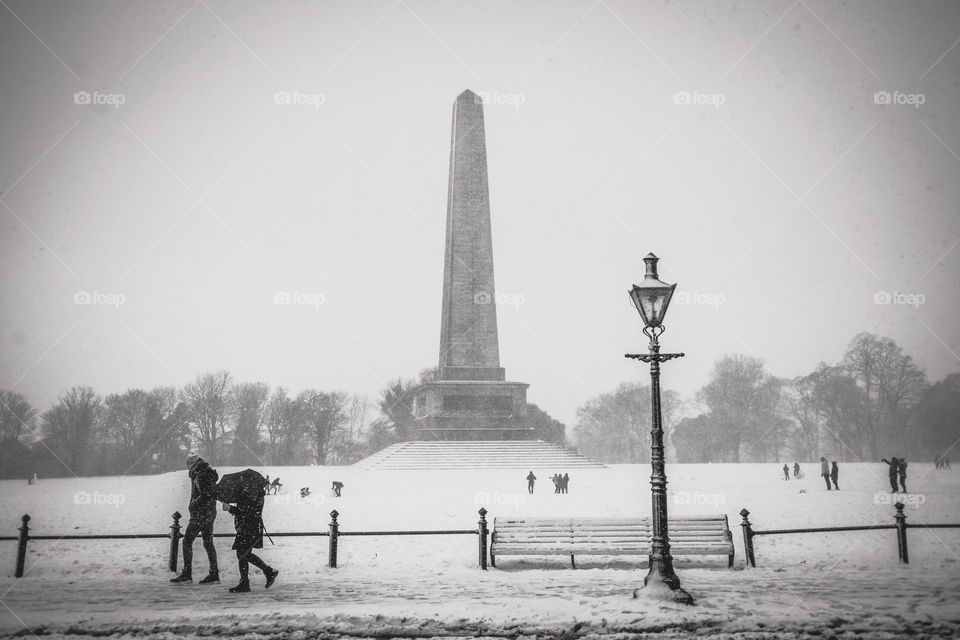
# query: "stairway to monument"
{"type": "Point", "coordinates": [497, 454]}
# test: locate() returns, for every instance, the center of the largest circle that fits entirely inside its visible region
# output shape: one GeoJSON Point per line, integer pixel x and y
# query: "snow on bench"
{"type": "Point", "coordinates": [689, 535]}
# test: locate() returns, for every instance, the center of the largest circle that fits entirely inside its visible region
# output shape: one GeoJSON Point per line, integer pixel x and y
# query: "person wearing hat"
{"type": "Point", "coordinates": [203, 513]}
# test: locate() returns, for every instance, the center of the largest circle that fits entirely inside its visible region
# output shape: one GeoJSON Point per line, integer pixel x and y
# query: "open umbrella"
{"type": "Point", "coordinates": [232, 485]}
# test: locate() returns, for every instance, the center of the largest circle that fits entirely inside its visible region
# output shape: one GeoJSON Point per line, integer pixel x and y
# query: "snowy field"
{"type": "Point", "coordinates": [843, 585]}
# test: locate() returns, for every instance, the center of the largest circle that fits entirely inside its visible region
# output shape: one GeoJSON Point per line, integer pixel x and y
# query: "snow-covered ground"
{"type": "Point", "coordinates": [846, 584]}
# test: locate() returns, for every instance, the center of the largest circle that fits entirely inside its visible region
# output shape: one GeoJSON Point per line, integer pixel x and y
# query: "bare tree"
{"type": "Point", "coordinates": [69, 427]}
{"type": "Point", "coordinates": [322, 414]}
{"type": "Point", "coordinates": [16, 415]}
{"type": "Point", "coordinates": [208, 409]}
{"type": "Point", "coordinates": [249, 401]}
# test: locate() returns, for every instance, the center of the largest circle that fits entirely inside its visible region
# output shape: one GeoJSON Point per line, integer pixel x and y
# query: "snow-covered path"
{"type": "Point", "coordinates": [357, 603]}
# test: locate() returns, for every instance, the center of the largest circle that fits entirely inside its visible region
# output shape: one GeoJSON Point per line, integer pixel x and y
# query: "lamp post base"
{"type": "Point", "coordinates": [662, 584]}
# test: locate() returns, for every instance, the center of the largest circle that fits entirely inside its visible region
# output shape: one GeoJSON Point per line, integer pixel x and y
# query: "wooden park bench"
{"type": "Point", "coordinates": [689, 535]}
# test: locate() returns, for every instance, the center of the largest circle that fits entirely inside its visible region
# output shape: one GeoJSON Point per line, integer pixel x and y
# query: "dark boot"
{"type": "Point", "coordinates": [212, 578]}
{"type": "Point", "coordinates": [271, 576]}
{"type": "Point", "coordinates": [183, 577]}
{"type": "Point", "coordinates": [243, 587]}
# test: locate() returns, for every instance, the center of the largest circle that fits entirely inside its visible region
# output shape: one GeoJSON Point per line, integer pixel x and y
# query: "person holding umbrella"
{"type": "Point", "coordinates": [246, 491]}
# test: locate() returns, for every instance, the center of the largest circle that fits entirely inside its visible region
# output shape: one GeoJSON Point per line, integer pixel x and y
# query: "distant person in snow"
{"type": "Point", "coordinates": [203, 513]}
{"type": "Point", "coordinates": [266, 487]}
{"type": "Point", "coordinates": [796, 469]}
{"type": "Point", "coordinates": [304, 492]}
{"type": "Point", "coordinates": [337, 487]}
{"type": "Point", "coordinates": [275, 485]}
{"type": "Point", "coordinates": [556, 482]}
{"type": "Point", "coordinates": [786, 472]}
{"type": "Point", "coordinates": [894, 465]}
{"type": "Point", "coordinates": [565, 482]}
{"type": "Point", "coordinates": [902, 472]}
{"type": "Point", "coordinates": [248, 520]}
{"type": "Point", "coordinates": [825, 471]}
{"type": "Point", "coordinates": [531, 479]}
{"type": "Point", "coordinates": [834, 474]}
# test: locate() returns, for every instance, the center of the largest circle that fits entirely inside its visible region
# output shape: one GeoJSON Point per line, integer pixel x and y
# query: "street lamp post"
{"type": "Point", "coordinates": [652, 297]}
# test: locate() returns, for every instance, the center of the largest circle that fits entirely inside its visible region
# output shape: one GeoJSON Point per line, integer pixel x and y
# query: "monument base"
{"type": "Point", "coordinates": [472, 410]}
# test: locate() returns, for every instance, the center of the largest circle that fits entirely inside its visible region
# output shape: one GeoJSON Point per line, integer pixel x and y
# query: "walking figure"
{"type": "Point", "coordinates": [902, 472]}
{"type": "Point", "coordinates": [337, 487]}
{"type": "Point", "coordinates": [564, 482]}
{"type": "Point", "coordinates": [894, 469]}
{"type": "Point", "coordinates": [248, 519]}
{"type": "Point", "coordinates": [786, 472]}
{"type": "Point", "coordinates": [531, 479]}
{"type": "Point", "coordinates": [796, 470]}
{"type": "Point", "coordinates": [834, 474]}
{"type": "Point", "coordinates": [825, 471]}
{"type": "Point", "coordinates": [203, 513]}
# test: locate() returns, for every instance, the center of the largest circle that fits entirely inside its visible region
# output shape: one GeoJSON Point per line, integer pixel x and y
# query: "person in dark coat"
{"type": "Point", "coordinates": [902, 472]}
{"type": "Point", "coordinates": [531, 479]}
{"type": "Point", "coordinates": [337, 488]}
{"type": "Point", "coordinates": [564, 483]}
{"type": "Point", "coordinates": [834, 474]}
{"type": "Point", "coordinates": [203, 513]}
{"type": "Point", "coordinates": [825, 471]}
{"type": "Point", "coordinates": [796, 469]}
{"type": "Point", "coordinates": [248, 520]}
{"type": "Point", "coordinates": [894, 469]}
{"type": "Point", "coordinates": [786, 472]}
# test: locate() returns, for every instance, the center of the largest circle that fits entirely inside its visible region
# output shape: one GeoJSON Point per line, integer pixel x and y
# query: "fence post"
{"type": "Point", "coordinates": [902, 533]}
{"type": "Point", "coordinates": [174, 540]}
{"type": "Point", "coordinates": [747, 538]}
{"type": "Point", "coordinates": [482, 530]}
{"type": "Point", "coordinates": [334, 534]}
{"type": "Point", "coordinates": [22, 545]}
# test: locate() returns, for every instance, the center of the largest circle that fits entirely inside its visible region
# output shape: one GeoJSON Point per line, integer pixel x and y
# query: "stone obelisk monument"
{"type": "Point", "coordinates": [470, 399]}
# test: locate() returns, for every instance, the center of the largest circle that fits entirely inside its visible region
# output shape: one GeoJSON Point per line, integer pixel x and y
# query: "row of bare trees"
{"type": "Point", "coordinates": [874, 402]}
{"type": "Point", "coordinates": [140, 431]}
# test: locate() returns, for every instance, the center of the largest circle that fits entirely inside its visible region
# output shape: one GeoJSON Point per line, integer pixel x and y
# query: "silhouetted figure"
{"type": "Point", "coordinates": [337, 487]}
{"type": "Point", "coordinates": [902, 472]}
{"type": "Point", "coordinates": [203, 513]}
{"type": "Point", "coordinates": [565, 482]}
{"type": "Point", "coordinates": [894, 465]}
{"type": "Point", "coordinates": [834, 474]}
{"type": "Point", "coordinates": [786, 472]}
{"type": "Point", "coordinates": [275, 485]}
{"type": "Point", "coordinates": [556, 482]}
{"type": "Point", "coordinates": [796, 469]}
{"type": "Point", "coordinates": [266, 487]}
{"type": "Point", "coordinates": [248, 520]}
{"type": "Point", "coordinates": [825, 471]}
{"type": "Point", "coordinates": [304, 492]}
{"type": "Point", "coordinates": [531, 479]}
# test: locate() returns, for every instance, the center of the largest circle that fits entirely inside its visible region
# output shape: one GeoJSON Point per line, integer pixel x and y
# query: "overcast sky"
{"type": "Point", "coordinates": [159, 193]}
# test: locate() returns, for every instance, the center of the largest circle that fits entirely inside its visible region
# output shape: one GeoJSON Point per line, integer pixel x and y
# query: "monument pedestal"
{"type": "Point", "coordinates": [472, 410]}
